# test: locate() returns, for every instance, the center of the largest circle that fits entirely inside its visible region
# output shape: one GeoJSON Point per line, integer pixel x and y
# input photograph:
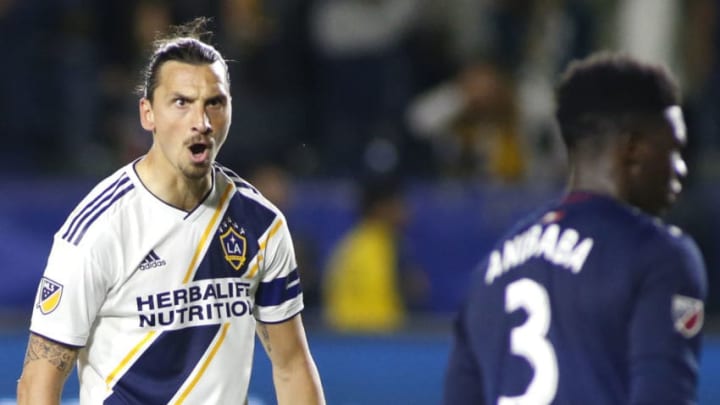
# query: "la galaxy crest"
{"type": "Point", "coordinates": [49, 295]}
{"type": "Point", "coordinates": [233, 242]}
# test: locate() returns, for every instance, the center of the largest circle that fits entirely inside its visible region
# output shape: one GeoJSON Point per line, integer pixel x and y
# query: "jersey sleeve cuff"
{"type": "Point", "coordinates": [280, 313]}
{"type": "Point", "coordinates": [76, 343]}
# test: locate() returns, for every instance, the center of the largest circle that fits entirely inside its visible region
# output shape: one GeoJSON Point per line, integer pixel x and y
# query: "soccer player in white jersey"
{"type": "Point", "coordinates": [158, 279]}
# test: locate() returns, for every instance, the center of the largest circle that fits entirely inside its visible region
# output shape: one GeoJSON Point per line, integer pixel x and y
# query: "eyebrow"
{"type": "Point", "coordinates": [175, 95]}
{"type": "Point", "coordinates": [218, 97]}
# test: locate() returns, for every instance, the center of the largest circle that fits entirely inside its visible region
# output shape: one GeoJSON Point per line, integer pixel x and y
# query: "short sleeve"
{"type": "Point", "coordinates": [279, 294]}
{"type": "Point", "coordinates": [69, 294]}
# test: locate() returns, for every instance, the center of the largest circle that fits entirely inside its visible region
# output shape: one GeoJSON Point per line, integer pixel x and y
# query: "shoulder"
{"type": "Point", "coordinates": [659, 247]}
{"type": "Point", "coordinates": [240, 183]}
{"type": "Point", "coordinates": [671, 256]}
{"type": "Point", "coordinates": [99, 207]}
{"type": "Point", "coordinates": [673, 242]}
{"type": "Point", "coordinates": [246, 194]}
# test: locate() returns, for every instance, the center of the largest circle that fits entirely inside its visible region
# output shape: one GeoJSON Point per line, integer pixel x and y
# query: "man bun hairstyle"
{"type": "Point", "coordinates": [186, 43]}
{"type": "Point", "coordinates": [607, 92]}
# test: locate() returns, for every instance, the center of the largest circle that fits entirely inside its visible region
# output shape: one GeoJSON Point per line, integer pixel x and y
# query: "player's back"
{"type": "Point", "coordinates": [550, 311]}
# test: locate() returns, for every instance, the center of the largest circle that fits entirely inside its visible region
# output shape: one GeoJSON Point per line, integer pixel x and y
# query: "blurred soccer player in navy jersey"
{"type": "Point", "coordinates": [593, 300]}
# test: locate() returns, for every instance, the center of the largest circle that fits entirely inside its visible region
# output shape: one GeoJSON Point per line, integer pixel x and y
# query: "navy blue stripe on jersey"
{"type": "Point", "coordinates": [163, 368]}
{"type": "Point", "coordinates": [250, 220]}
{"type": "Point", "coordinates": [112, 199]}
{"type": "Point", "coordinates": [87, 210]}
{"type": "Point", "coordinates": [279, 290]}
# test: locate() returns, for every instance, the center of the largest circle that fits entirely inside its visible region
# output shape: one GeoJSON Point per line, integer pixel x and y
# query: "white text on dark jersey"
{"type": "Point", "coordinates": [562, 247]}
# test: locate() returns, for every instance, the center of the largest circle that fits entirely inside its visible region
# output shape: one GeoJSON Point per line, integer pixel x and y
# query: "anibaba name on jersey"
{"type": "Point", "coordinates": [562, 247]}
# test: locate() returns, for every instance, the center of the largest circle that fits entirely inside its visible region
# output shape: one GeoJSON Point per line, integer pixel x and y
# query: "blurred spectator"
{"type": "Point", "coordinates": [472, 121]}
{"type": "Point", "coordinates": [528, 42]}
{"type": "Point", "coordinates": [368, 283]}
{"type": "Point", "coordinates": [275, 183]}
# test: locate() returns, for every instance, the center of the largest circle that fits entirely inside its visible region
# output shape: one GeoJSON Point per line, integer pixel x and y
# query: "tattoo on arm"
{"type": "Point", "coordinates": [60, 356]}
{"type": "Point", "coordinates": [265, 337]}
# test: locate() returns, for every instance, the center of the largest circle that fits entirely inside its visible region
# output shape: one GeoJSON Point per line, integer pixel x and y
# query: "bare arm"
{"type": "Point", "coordinates": [45, 370]}
{"type": "Point", "coordinates": [294, 372]}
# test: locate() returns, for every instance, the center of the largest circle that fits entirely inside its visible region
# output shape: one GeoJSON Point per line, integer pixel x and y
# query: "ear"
{"type": "Point", "coordinates": [147, 117]}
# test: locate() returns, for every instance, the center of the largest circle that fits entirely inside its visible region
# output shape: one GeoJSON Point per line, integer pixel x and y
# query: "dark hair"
{"type": "Point", "coordinates": [377, 189]}
{"type": "Point", "coordinates": [186, 43]}
{"type": "Point", "coordinates": [606, 92]}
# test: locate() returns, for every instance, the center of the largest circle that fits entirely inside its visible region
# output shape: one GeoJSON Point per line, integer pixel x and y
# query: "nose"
{"type": "Point", "coordinates": [679, 172]}
{"type": "Point", "coordinates": [679, 166]}
{"type": "Point", "coordinates": [201, 122]}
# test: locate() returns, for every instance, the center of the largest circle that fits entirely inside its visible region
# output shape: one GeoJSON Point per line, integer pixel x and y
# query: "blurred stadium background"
{"type": "Point", "coordinates": [454, 96]}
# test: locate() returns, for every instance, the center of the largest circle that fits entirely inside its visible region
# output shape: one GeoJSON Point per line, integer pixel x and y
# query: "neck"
{"type": "Point", "coordinates": [597, 175]}
{"type": "Point", "coordinates": [171, 186]}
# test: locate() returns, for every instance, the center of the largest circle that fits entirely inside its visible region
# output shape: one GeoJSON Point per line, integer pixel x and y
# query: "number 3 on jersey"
{"type": "Point", "coordinates": [529, 341]}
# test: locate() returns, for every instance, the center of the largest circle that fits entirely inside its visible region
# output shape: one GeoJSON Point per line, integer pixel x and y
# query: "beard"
{"type": "Point", "coordinates": [195, 171]}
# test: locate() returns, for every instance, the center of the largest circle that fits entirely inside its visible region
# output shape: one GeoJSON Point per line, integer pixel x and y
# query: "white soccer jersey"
{"type": "Point", "coordinates": [163, 302]}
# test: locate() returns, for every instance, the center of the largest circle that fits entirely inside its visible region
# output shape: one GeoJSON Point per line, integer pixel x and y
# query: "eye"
{"type": "Point", "coordinates": [180, 101]}
{"type": "Point", "coordinates": [216, 102]}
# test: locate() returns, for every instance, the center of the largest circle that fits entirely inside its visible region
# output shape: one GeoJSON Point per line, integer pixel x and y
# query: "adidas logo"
{"type": "Point", "coordinates": [151, 261]}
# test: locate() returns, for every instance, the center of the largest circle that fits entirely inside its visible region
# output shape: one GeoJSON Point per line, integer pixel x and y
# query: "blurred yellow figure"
{"type": "Point", "coordinates": [361, 289]}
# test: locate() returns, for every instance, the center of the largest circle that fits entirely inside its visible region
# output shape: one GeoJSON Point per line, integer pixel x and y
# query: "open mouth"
{"type": "Point", "coordinates": [198, 148]}
{"type": "Point", "coordinates": [199, 152]}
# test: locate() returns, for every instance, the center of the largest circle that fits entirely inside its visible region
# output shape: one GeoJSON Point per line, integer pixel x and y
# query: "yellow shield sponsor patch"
{"type": "Point", "coordinates": [49, 295]}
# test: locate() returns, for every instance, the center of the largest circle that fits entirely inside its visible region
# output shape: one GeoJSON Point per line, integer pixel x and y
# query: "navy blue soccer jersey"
{"type": "Point", "coordinates": [588, 302]}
